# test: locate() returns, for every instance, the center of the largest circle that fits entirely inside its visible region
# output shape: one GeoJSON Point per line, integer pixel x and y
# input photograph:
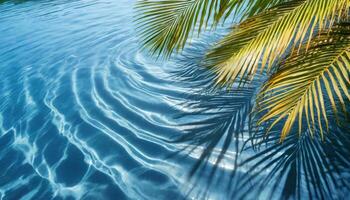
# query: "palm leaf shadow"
{"type": "Point", "coordinates": [301, 167]}
{"type": "Point", "coordinates": [218, 120]}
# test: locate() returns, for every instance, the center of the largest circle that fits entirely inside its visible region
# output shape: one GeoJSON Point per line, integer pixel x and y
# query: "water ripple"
{"type": "Point", "coordinates": [82, 107]}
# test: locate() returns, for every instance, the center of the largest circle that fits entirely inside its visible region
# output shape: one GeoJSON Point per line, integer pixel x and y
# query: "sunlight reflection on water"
{"type": "Point", "coordinates": [85, 114]}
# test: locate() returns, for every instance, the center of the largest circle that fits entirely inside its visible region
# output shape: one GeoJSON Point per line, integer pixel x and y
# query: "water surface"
{"type": "Point", "coordinates": [84, 113]}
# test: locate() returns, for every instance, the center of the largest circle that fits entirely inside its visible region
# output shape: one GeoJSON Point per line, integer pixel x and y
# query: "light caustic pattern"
{"type": "Point", "coordinates": [84, 113]}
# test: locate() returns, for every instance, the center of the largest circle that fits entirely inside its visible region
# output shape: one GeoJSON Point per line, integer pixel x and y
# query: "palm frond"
{"type": "Point", "coordinates": [296, 91]}
{"type": "Point", "coordinates": [262, 39]}
{"type": "Point", "coordinates": [165, 25]}
{"type": "Point", "coordinates": [249, 8]}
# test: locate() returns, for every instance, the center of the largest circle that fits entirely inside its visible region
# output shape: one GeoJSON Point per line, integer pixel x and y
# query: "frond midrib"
{"type": "Point", "coordinates": [247, 66]}
{"type": "Point", "coordinates": [312, 82]}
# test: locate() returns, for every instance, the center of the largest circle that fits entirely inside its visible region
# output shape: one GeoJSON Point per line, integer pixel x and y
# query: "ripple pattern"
{"type": "Point", "coordinates": [84, 114]}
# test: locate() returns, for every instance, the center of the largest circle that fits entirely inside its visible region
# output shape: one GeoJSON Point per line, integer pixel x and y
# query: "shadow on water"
{"type": "Point", "coordinates": [220, 124]}
{"type": "Point", "coordinates": [218, 132]}
{"type": "Point", "coordinates": [216, 123]}
{"type": "Point", "coordinates": [302, 166]}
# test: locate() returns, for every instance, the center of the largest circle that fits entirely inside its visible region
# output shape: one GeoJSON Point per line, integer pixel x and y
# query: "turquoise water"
{"type": "Point", "coordinates": [85, 114]}
{"type": "Point", "coordinates": [83, 111]}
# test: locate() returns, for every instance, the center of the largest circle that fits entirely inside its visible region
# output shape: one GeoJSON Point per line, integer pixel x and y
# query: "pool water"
{"type": "Point", "coordinates": [84, 113]}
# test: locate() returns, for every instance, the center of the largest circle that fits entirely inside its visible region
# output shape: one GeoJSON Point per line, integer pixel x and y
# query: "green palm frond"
{"type": "Point", "coordinates": [262, 39]}
{"type": "Point", "coordinates": [297, 91]}
{"type": "Point", "coordinates": [249, 8]}
{"type": "Point", "coordinates": [166, 25]}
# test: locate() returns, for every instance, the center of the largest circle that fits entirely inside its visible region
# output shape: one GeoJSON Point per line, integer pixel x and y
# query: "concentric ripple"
{"type": "Point", "coordinates": [84, 113]}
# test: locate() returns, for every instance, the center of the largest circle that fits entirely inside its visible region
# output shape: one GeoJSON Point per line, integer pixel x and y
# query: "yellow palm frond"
{"type": "Point", "coordinates": [262, 39]}
{"type": "Point", "coordinates": [249, 8]}
{"type": "Point", "coordinates": [298, 90]}
{"type": "Point", "coordinates": [166, 25]}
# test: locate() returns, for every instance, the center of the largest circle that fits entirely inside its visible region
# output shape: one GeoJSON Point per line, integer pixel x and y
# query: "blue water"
{"type": "Point", "coordinates": [84, 113]}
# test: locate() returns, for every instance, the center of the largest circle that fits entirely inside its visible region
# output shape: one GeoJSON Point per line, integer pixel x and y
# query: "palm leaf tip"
{"type": "Point", "coordinates": [297, 91]}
